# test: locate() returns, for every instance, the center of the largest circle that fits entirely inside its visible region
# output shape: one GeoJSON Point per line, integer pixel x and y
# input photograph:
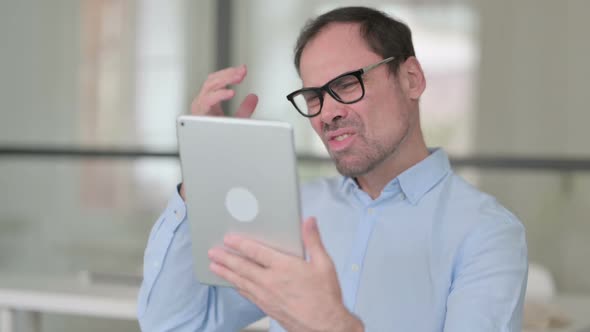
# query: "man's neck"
{"type": "Point", "coordinates": [405, 157]}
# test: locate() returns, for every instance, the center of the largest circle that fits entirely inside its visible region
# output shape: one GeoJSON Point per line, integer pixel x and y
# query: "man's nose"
{"type": "Point", "coordinates": [332, 109]}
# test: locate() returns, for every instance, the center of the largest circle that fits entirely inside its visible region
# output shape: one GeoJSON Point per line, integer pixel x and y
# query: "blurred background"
{"type": "Point", "coordinates": [90, 90]}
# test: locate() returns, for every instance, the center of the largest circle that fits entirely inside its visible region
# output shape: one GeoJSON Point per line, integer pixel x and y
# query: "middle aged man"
{"type": "Point", "coordinates": [405, 245]}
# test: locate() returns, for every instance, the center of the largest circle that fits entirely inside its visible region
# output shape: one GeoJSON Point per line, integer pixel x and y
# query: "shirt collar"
{"type": "Point", "coordinates": [417, 180]}
{"type": "Point", "coordinates": [347, 183]}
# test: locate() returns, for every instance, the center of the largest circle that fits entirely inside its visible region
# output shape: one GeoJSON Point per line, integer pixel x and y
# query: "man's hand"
{"type": "Point", "coordinates": [301, 295]}
{"type": "Point", "coordinates": [215, 90]}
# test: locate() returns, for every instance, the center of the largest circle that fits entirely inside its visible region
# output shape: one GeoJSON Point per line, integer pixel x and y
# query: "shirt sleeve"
{"type": "Point", "coordinates": [490, 276]}
{"type": "Point", "coordinates": [170, 297]}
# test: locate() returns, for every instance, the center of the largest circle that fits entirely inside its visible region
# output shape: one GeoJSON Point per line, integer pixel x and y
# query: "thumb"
{"type": "Point", "coordinates": [313, 242]}
{"type": "Point", "coordinates": [247, 106]}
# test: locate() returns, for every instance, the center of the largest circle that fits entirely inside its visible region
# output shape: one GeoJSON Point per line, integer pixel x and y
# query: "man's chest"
{"type": "Point", "coordinates": [390, 268]}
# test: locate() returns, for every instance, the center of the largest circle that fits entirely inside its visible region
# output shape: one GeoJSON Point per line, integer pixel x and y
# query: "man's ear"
{"type": "Point", "coordinates": [412, 77]}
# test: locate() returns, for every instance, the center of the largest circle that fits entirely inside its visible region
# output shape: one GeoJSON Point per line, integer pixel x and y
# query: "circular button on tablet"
{"type": "Point", "coordinates": [241, 204]}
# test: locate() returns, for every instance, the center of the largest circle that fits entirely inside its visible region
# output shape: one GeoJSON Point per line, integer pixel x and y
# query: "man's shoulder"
{"type": "Point", "coordinates": [463, 215]}
{"type": "Point", "coordinates": [467, 206]}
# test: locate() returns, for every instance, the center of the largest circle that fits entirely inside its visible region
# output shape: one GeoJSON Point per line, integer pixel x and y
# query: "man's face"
{"type": "Point", "coordinates": [359, 136]}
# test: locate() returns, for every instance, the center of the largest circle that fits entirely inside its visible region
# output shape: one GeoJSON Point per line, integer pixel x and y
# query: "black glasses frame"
{"type": "Point", "coordinates": [319, 91]}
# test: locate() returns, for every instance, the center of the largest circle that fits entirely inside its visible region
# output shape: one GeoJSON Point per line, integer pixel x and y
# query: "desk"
{"type": "Point", "coordinates": [69, 295]}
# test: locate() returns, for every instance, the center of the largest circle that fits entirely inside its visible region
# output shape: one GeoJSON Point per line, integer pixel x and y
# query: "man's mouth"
{"type": "Point", "coordinates": [340, 139]}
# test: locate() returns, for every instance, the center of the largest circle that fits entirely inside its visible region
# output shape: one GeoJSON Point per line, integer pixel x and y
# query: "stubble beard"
{"type": "Point", "coordinates": [357, 164]}
{"type": "Point", "coordinates": [354, 163]}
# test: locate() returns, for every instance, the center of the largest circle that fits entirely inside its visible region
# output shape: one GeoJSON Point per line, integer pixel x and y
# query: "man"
{"type": "Point", "coordinates": [405, 244]}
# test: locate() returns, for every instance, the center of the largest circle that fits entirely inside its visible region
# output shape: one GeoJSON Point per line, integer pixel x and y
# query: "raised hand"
{"type": "Point", "coordinates": [215, 90]}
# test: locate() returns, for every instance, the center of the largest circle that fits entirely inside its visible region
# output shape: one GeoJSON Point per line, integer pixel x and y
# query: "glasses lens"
{"type": "Point", "coordinates": [308, 102]}
{"type": "Point", "coordinates": [347, 88]}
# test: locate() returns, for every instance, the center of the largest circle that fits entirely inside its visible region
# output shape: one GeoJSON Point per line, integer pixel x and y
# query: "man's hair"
{"type": "Point", "coordinates": [384, 35]}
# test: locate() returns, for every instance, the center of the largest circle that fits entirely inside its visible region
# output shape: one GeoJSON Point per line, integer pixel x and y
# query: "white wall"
{"type": "Point", "coordinates": [533, 101]}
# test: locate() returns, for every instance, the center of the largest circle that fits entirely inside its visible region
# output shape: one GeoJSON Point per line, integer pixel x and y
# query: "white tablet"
{"type": "Point", "coordinates": [240, 177]}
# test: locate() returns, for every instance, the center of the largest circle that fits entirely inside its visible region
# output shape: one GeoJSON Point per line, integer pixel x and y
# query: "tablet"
{"type": "Point", "coordinates": [240, 177]}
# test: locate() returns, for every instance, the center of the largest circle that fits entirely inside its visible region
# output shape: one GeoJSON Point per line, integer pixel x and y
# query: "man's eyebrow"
{"type": "Point", "coordinates": [322, 84]}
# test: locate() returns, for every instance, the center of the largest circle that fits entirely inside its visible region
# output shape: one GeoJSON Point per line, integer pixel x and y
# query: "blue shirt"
{"type": "Point", "coordinates": [431, 253]}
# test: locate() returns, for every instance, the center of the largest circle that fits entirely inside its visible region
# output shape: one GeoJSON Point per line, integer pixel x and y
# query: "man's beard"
{"type": "Point", "coordinates": [365, 161]}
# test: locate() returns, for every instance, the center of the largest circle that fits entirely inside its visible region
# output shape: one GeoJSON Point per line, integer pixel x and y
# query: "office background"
{"type": "Point", "coordinates": [507, 96]}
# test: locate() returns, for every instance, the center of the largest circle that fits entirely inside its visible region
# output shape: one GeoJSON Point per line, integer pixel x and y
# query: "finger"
{"type": "Point", "coordinates": [227, 73]}
{"type": "Point", "coordinates": [313, 242]}
{"type": "Point", "coordinates": [206, 103]}
{"type": "Point", "coordinates": [249, 289]}
{"type": "Point", "coordinates": [243, 285]}
{"type": "Point", "coordinates": [236, 263]}
{"type": "Point", "coordinates": [253, 250]}
{"type": "Point", "coordinates": [197, 108]}
{"type": "Point", "coordinates": [247, 106]}
{"type": "Point", "coordinates": [222, 78]}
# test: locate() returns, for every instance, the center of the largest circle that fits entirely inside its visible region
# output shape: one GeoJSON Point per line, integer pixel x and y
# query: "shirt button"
{"type": "Point", "coordinates": [402, 196]}
{"type": "Point", "coordinates": [178, 214]}
{"type": "Point", "coordinates": [371, 211]}
{"type": "Point", "coordinates": [354, 267]}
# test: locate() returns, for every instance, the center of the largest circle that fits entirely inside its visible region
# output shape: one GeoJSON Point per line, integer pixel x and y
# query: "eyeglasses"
{"type": "Point", "coordinates": [347, 88]}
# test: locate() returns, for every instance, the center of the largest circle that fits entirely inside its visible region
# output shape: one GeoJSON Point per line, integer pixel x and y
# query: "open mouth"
{"type": "Point", "coordinates": [340, 140]}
